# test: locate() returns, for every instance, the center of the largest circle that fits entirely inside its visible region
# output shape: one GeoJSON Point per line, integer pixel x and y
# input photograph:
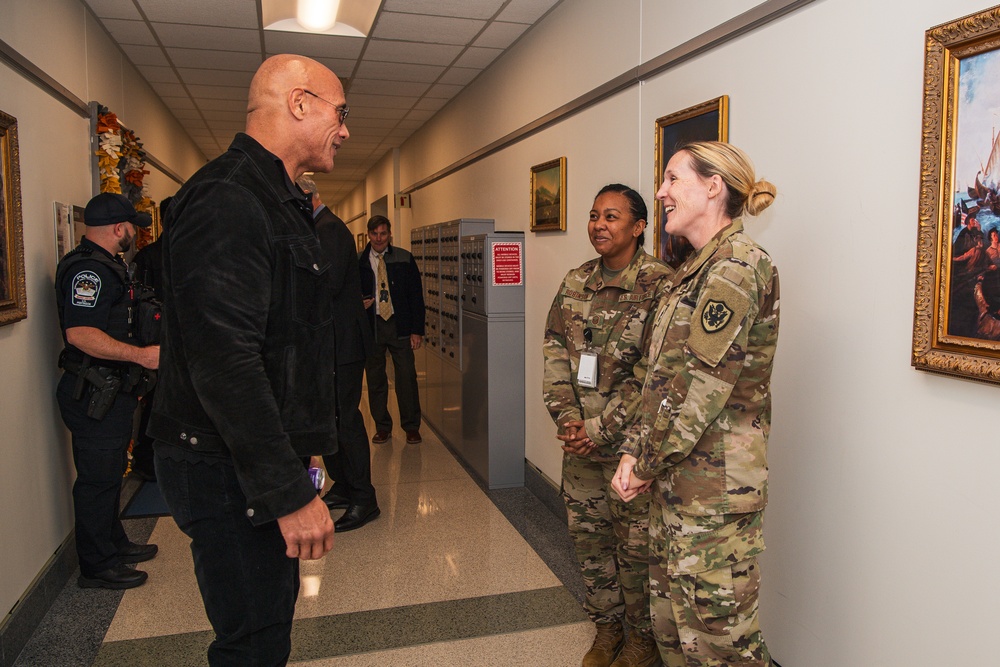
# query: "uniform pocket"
{"type": "Point", "coordinates": [711, 599]}
{"type": "Point", "coordinates": [311, 286]}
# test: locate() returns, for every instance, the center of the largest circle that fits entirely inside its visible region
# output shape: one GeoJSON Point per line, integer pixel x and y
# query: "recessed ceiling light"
{"type": "Point", "coordinates": [350, 18]}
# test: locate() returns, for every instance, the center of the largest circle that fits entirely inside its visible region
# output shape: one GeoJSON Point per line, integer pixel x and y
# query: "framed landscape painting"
{"type": "Point", "coordinates": [548, 196]}
{"type": "Point", "coordinates": [708, 121]}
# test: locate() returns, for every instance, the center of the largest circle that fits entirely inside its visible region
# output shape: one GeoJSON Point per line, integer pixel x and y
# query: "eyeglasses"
{"type": "Point", "coordinates": [342, 110]}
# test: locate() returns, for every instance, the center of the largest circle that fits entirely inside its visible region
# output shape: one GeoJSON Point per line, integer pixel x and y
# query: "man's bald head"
{"type": "Point", "coordinates": [279, 74]}
{"type": "Point", "coordinates": [290, 111]}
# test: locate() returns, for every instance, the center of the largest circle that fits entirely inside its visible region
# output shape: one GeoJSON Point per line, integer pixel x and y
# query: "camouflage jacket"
{"type": "Point", "coordinates": [616, 314]}
{"type": "Point", "coordinates": [706, 394]}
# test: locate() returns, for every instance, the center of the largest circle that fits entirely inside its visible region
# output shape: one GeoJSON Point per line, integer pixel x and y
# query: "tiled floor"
{"type": "Point", "coordinates": [450, 574]}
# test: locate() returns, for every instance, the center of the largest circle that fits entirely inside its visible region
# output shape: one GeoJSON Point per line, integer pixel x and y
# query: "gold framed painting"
{"type": "Point", "coordinates": [956, 315]}
{"type": "Point", "coordinates": [548, 196]}
{"type": "Point", "coordinates": [708, 121]}
{"type": "Point", "coordinates": [13, 296]}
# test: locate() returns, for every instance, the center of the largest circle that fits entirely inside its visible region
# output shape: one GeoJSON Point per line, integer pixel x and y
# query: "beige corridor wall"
{"type": "Point", "coordinates": [36, 469]}
{"type": "Point", "coordinates": [880, 524]}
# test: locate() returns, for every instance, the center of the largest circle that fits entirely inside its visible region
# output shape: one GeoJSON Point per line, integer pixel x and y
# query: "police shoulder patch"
{"type": "Point", "coordinates": [85, 289]}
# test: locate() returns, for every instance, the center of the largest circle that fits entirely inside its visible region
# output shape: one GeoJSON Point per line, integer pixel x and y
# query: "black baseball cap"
{"type": "Point", "coordinates": [109, 208]}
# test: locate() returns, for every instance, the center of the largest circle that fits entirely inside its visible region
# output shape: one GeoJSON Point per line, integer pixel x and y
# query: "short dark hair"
{"type": "Point", "coordinates": [377, 221]}
{"type": "Point", "coordinates": [636, 205]}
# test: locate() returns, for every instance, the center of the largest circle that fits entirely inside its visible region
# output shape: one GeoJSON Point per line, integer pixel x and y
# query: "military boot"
{"type": "Point", "coordinates": [638, 651]}
{"type": "Point", "coordinates": [607, 644]}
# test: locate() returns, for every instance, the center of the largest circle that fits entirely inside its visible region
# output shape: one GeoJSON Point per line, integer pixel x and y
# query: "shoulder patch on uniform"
{"type": "Point", "coordinates": [715, 316]}
{"type": "Point", "coordinates": [85, 289]}
{"type": "Point", "coordinates": [718, 318]}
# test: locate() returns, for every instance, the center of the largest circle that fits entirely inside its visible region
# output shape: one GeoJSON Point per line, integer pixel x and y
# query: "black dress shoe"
{"type": "Point", "coordinates": [355, 517]}
{"type": "Point", "coordinates": [137, 553]}
{"type": "Point", "coordinates": [117, 577]}
{"type": "Point", "coordinates": [336, 501]}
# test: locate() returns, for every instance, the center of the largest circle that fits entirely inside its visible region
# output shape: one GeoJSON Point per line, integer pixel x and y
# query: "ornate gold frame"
{"type": "Point", "coordinates": [13, 296]}
{"type": "Point", "coordinates": [559, 163]}
{"type": "Point", "coordinates": [934, 349]}
{"type": "Point", "coordinates": [719, 105]}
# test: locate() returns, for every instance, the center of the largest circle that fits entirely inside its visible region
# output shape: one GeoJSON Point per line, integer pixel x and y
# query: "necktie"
{"type": "Point", "coordinates": [384, 306]}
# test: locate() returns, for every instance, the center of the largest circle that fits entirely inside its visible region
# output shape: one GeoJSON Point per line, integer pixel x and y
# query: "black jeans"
{"type": "Point", "coordinates": [247, 583]}
{"type": "Point", "coordinates": [405, 378]}
{"type": "Point", "coordinates": [350, 468]}
{"type": "Point", "coordinates": [100, 456]}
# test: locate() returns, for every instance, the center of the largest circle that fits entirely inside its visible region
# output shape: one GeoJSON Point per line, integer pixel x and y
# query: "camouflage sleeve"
{"type": "Point", "coordinates": [710, 365]}
{"type": "Point", "coordinates": [619, 420]}
{"type": "Point", "coordinates": [631, 442]}
{"type": "Point", "coordinates": [557, 383]}
{"type": "Point", "coordinates": [608, 427]}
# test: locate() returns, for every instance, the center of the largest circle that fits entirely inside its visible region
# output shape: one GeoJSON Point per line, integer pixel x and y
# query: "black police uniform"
{"type": "Point", "coordinates": [92, 291]}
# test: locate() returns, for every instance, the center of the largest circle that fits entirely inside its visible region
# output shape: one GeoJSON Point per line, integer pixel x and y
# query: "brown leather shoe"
{"type": "Point", "coordinates": [381, 437]}
{"type": "Point", "coordinates": [607, 644]}
{"type": "Point", "coordinates": [638, 651]}
{"type": "Point", "coordinates": [413, 438]}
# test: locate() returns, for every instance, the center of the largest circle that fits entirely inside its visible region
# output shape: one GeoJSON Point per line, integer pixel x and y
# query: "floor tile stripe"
{"type": "Point", "coordinates": [377, 630]}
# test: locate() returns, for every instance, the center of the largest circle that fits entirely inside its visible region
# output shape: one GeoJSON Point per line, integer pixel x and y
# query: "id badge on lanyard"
{"type": "Point", "coordinates": [586, 372]}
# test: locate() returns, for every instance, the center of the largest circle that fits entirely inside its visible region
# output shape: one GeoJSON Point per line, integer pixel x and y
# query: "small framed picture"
{"type": "Point", "coordinates": [548, 196]}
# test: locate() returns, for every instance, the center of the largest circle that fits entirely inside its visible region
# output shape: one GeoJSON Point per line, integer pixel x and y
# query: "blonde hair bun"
{"type": "Point", "coordinates": [761, 196]}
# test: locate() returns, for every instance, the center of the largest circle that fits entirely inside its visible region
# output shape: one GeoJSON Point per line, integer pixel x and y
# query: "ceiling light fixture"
{"type": "Point", "coordinates": [351, 18]}
{"type": "Point", "coordinates": [317, 15]}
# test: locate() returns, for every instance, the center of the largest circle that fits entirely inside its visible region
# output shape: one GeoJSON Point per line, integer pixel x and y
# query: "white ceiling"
{"type": "Point", "coordinates": [199, 56]}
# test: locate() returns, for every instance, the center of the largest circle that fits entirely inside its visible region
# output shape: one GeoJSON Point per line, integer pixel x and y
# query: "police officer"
{"type": "Point", "coordinates": [98, 392]}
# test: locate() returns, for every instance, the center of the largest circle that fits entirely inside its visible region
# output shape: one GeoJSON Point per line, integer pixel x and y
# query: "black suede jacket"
{"type": "Point", "coordinates": [405, 289]}
{"type": "Point", "coordinates": [247, 359]}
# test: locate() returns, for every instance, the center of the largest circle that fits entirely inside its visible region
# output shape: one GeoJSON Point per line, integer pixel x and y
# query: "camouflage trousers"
{"type": "Point", "coordinates": [704, 585]}
{"type": "Point", "coordinates": [611, 540]}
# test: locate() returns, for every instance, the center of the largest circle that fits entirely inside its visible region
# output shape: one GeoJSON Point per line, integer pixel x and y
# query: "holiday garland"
{"type": "Point", "coordinates": [121, 161]}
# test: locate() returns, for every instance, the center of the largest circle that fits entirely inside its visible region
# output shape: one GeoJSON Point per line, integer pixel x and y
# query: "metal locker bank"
{"type": "Point", "coordinates": [471, 366]}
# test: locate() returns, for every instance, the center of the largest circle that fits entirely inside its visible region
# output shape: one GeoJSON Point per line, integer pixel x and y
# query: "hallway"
{"type": "Point", "coordinates": [450, 574]}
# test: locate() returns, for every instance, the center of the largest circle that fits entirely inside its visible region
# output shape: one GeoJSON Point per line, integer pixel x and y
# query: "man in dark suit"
{"type": "Point", "coordinates": [390, 282]}
{"type": "Point", "coordinates": [350, 467]}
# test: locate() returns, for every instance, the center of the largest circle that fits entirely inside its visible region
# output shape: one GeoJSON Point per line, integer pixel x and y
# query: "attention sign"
{"type": "Point", "coordinates": [507, 264]}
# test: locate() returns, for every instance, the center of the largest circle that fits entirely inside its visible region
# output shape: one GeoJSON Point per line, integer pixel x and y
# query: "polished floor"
{"type": "Point", "coordinates": [450, 574]}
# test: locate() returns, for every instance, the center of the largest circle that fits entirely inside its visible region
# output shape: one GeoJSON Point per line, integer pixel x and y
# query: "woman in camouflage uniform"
{"type": "Point", "coordinates": [706, 415]}
{"type": "Point", "coordinates": [598, 322]}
